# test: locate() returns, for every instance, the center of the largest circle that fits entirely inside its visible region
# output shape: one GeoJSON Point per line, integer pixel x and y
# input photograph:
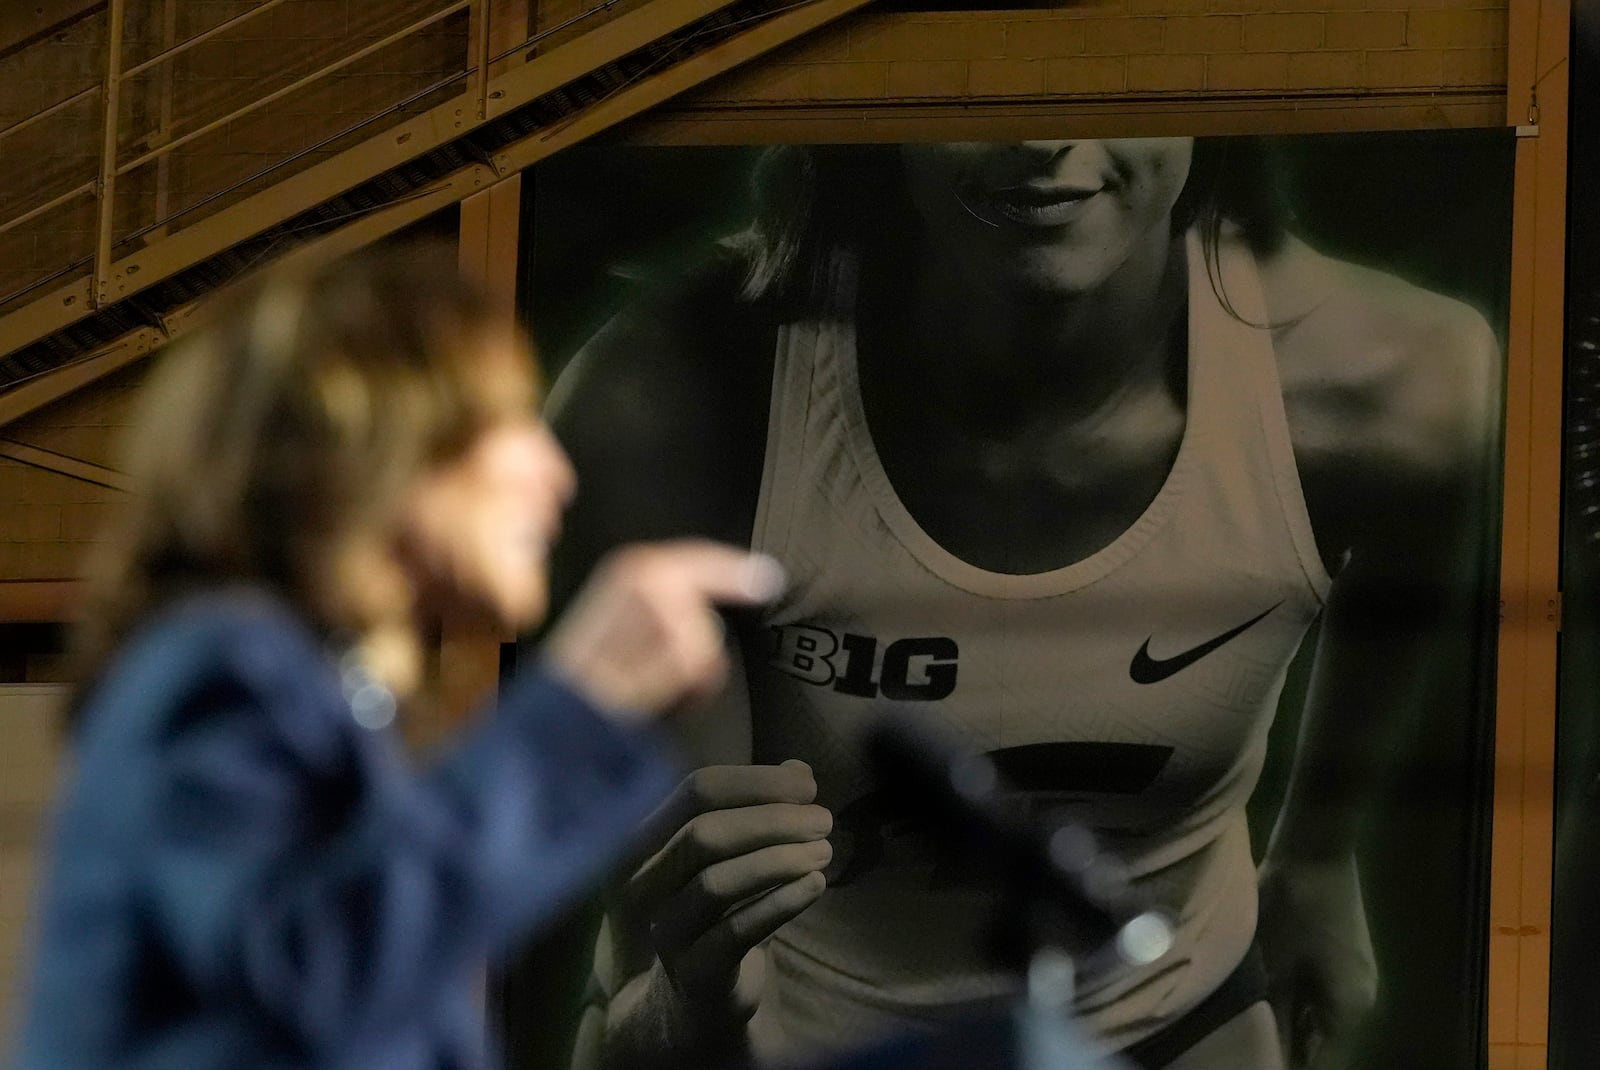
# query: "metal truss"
{"type": "Point", "coordinates": [56, 340]}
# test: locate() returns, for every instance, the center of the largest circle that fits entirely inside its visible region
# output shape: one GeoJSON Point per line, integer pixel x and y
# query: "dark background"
{"type": "Point", "coordinates": [602, 223]}
{"type": "Point", "coordinates": [1575, 932]}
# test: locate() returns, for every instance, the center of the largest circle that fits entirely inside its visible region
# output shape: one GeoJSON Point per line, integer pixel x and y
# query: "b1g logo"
{"type": "Point", "coordinates": [909, 670]}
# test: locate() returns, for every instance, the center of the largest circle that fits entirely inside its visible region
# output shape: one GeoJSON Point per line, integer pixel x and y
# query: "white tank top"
{"type": "Point", "coordinates": [1205, 599]}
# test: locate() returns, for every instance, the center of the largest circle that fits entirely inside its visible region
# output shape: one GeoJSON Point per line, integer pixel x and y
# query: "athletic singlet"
{"type": "Point", "coordinates": [1131, 690]}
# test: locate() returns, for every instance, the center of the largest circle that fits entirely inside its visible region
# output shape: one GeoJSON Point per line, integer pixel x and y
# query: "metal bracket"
{"type": "Point", "coordinates": [472, 150]}
{"type": "Point", "coordinates": [150, 317]}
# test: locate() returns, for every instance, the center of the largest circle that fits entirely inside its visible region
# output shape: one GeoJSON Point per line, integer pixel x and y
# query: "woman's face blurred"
{"type": "Point", "coordinates": [477, 530]}
{"type": "Point", "coordinates": [1052, 217]}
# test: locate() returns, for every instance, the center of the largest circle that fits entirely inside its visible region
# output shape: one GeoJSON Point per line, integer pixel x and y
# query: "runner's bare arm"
{"type": "Point", "coordinates": [1391, 396]}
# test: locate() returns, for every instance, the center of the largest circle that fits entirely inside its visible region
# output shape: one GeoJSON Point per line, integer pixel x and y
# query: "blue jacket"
{"type": "Point", "coordinates": [244, 877]}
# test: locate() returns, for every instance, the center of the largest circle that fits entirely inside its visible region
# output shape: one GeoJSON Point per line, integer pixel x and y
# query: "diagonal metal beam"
{"type": "Point", "coordinates": [656, 89]}
{"type": "Point", "coordinates": [49, 387]}
{"type": "Point", "coordinates": [595, 48]}
{"type": "Point", "coordinates": [398, 145]}
{"type": "Point", "coordinates": [26, 23]}
{"type": "Point", "coordinates": [434, 128]}
{"type": "Point", "coordinates": [62, 465]}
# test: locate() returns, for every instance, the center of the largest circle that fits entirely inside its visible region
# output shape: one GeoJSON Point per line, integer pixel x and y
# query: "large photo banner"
{"type": "Point", "coordinates": [1164, 473]}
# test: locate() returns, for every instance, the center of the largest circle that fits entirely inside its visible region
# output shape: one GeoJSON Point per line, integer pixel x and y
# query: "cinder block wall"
{"type": "Point", "coordinates": [49, 521]}
{"type": "Point", "coordinates": [1107, 48]}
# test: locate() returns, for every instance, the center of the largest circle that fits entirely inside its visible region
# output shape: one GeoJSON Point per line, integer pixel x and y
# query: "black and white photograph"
{"type": "Point", "coordinates": [1160, 474]}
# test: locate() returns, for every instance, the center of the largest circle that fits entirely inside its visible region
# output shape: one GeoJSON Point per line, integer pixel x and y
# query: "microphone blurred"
{"type": "Point", "coordinates": [1073, 893]}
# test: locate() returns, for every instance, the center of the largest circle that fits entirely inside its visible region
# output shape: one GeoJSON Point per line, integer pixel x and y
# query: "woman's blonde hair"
{"type": "Point", "coordinates": [276, 445]}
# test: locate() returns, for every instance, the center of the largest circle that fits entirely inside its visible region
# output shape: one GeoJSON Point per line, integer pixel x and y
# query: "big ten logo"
{"type": "Point", "coordinates": [921, 669]}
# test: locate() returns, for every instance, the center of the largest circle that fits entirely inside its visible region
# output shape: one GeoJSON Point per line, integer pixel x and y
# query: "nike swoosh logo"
{"type": "Point", "coordinates": [1147, 670]}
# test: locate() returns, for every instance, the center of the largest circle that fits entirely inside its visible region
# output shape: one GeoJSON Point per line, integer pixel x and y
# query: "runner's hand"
{"type": "Point", "coordinates": [737, 851]}
{"type": "Point", "coordinates": [744, 854]}
{"type": "Point", "coordinates": [1321, 972]}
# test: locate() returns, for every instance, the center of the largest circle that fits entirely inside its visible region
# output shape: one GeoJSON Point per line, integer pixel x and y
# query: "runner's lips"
{"type": "Point", "coordinates": [1038, 206]}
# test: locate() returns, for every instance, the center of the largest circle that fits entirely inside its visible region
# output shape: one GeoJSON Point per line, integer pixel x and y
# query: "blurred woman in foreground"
{"type": "Point", "coordinates": [245, 871]}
